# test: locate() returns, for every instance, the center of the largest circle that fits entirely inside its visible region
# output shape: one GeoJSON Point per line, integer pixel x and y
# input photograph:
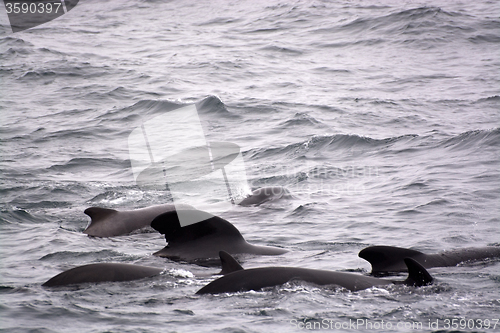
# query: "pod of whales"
{"type": "Point", "coordinates": [201, 242]}
{"type": "Point", "coordinates": [205, 242]}
{"type": "Point", "coordinates": [110, 222]}
{"type": "Point", "coordinates": [237, 279]}
{"type": "Point", "coordinates": [102, 272]}
{"type": "Point", "coordinates": [390, 259]}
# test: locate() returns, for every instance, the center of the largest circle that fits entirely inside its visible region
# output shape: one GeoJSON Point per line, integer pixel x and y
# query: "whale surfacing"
{"type": "Point", "coordinates": [264, 194]}
{"type": "Point", "coordinates": [238, 279]}
{"type": "Point", "coordinates": [107, 222]}
{"type": "Point", "coordinates": [386, 259]}
{"type": "Point", "coordinates": [101, 272]}
{"type": "Point", "coordinates": [201, 242]}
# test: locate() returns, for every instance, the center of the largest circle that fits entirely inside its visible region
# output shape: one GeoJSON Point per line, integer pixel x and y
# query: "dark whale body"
{"type": "Point", "coordinates": [201, 242]}
{"type": "Point", "coordinates": [238, 279]}
{"type": "Point", "coordinates": [105, 222]}
{"type": "Point", "coordinates": [390, 259]}
{"type": "Point", "coordinates": [264, 194]}
{"type": "Point", "coordinates": [101, 272]}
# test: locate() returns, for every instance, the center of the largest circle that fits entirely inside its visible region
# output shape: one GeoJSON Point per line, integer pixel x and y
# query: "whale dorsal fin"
{"type": "Point", "coordinates": [98, 218]}
{"type": "Point", "coordinates": [228, 263]}
{"type": "Point", "coordinates": [417, 274]}
{"type": "Point", "coordinates": [98, 214]}
{"type": "Point", "coordinates": [388, 258]}
{"type": "Point", "coordinates": [168, 224]}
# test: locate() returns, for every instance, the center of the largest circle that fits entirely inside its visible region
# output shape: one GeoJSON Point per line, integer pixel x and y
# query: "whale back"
{"type": "Point", "coordinates": [240, 279]}
{"type": "Point", "coordinates": [201, 242]}
{"type": "Point", "coordinates": [417, 274]}
{"type": "Point", "coordinates": [101, 272]}
{"type": "Point", "coordinates": [228, 263]}
{"type": "Point", "coordinates": [264, 194]}
{"type": "Point", "coordinates": [168, 224]}
{"type": "Point", "coordinates": [107, 222]}
{"type": "Point", "coordinates": [99, 222]}
{"type": "Point", "coordinates": [389, 258]}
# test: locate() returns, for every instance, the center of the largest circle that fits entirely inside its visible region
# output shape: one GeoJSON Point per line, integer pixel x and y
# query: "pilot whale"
{"type": "Point", "coordinates": [264, 194]}
{"type": "Point", "coordinates": [107, 222]}
{"type": "Point", "coordinates": [237, 279]}
{"type": "Point", "coordinates": [201, 242]}
{"type": "Point", "coordinates": [110, 222]}
{"type": "Point", "coordinates": [102, 272]}
{"type": "Point", "coordinates": [390, 259]}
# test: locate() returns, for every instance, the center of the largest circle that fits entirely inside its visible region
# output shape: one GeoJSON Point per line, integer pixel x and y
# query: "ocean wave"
{"type": "Point", "coordinates": [14, 41]}
{"type": "Point", "coordinates": [150, 106]}
{"type": "Point", "coordinates": [494, 98]}
{"type": "Point", "coordinates": [208, 105]}
{"type": "Point", "coordinates": [59, 70]}
{"type": "Point", "coordinates": [14, 46]}
{"type": "Point", "coordinates": [301, 119]}
{"type": "Point", "coordinates": [487, 38]}
{"type": "Point", "coordinates": [473, 139]}
{"type": "Point", "coordinates": [15, 215]}
{"type": "Point", "coordinates": [282, 50]}
{"type": "Point", "coordinates": [219, 21]}
{"type": "Point", "coordinates": [213, 105]}
{"type": "Point", "coordinates": [318, 144]}
{"type": "Point", "coordinates": [41, 135]}
{"type": "Point", "coordinates": [422, 27]}
{"type": "Point", "coordinates": [85, 163]}
{"type": "Point", "coordinates": [410, 21]}
{"type": "Point", "coordinates": [112, 198]}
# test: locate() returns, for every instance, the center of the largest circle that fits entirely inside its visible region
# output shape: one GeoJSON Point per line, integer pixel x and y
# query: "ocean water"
{"type": "Point", "coordinates": [380, 117]}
